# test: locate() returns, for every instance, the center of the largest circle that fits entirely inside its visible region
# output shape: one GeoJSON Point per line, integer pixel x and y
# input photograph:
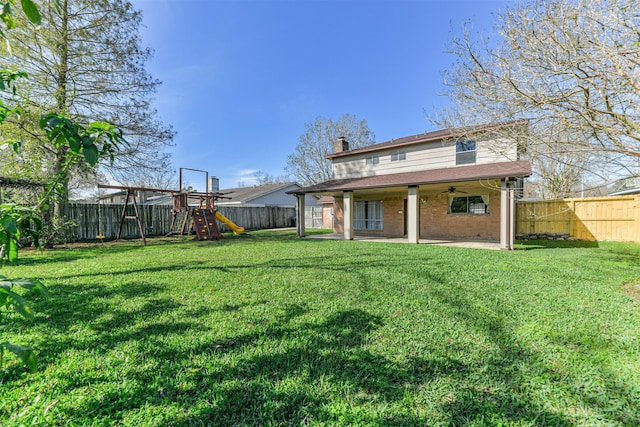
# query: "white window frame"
{"type": "Point", "coordinates": [481, 208]}
{"type": "Point", "coordinates": [464, 154]}
{"type": "Point", "coordinates": [373, 159]}
{"type": "Point", "coordinates": [368, 215]}
{"type": "Point", "coordinates": [398, 155]}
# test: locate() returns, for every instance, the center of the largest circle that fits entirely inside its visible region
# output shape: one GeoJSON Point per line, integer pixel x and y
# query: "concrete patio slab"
{"type": "Point", "coordinates": [475, 244]}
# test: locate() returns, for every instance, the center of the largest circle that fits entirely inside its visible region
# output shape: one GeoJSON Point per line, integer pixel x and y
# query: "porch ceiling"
{"type": "Point", "coordinates": [463, 187]}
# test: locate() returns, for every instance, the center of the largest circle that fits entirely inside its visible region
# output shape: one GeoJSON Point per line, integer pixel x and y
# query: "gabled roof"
{"type": "Point", "coordinates": [325, 200]}
{"type": "Point", "coordinates": [116, 193]}
{"type": "Point", "coordinates": [439, 135]}
{"type": "Point", "coordinates": [501, 170]}
{"type": "Point", "coordinates": [246, 194]}
{"type": "Point", "coordinates": [626, 192]}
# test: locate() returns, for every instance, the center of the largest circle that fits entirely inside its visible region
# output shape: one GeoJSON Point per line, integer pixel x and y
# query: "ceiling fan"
{"type": "Point", "coordinates": [452, 190]}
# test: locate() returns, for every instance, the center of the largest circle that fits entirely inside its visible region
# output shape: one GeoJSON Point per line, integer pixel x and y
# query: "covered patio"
{"type": "Point", "coordinates": [413, 206]}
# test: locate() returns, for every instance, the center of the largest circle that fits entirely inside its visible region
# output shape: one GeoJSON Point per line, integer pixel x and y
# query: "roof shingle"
{"type": "Point", "coordinates": [439, 135]}
{"type": "Point", "coordinates": [517, 169]}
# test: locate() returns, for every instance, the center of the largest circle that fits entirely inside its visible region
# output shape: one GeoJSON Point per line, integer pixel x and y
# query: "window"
{"type": "Point", "coordinates": [373, 159]}
{"type": "Point", "coordinates": [367, 215]}
{"type": "Point", "coordinates": [465, 152]}
{"type": "Point", "coordinates": [398, 155]}
{"type": "Point", "coordinates": [470, 204]}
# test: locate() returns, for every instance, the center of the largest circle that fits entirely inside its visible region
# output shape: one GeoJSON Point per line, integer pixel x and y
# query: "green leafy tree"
{"type": "Point", "coordinates": [86, 61]}
{"type": "Point", "coordinates": [87, 144]}
{"type": "Point", "coordinates": [10, 299]}
{"type": "Point", "coordinates": [80, 144]}
{"type": "Point", "coordinates": [30, 10]}
{"type": "Point", "coordinates": [15, 220]}
{"type": "Point", "coordinates": [572, 68]}
{"type": "Point", "coordinates": [308, 164]}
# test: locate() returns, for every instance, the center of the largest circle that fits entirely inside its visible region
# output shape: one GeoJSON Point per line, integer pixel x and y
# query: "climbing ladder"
{"type": "Point", "coordinates": [205, 225]}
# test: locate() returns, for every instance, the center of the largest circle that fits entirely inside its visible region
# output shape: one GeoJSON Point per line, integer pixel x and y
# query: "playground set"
{"type": "Point", "coordinates": [202, 211]}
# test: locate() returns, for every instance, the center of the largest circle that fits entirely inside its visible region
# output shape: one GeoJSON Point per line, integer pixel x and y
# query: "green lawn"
{"type": "Point", "coordinates": [268, 329]}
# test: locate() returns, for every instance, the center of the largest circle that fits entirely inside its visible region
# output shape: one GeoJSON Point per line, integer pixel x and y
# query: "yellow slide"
{"type": "Point", "coordinates": [229, 223]}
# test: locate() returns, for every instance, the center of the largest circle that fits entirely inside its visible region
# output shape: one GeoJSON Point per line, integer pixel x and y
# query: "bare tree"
{"type": "Point", "coordinates": [559, 173]}
{"type": "Point", "coordinates": [164, 177]}
{"type": "Point", "coordinates": [264, 178]}
{"type": "Point", "coordinates": [572, 68]}
{"type": "Point", "coordinates": [87, 62]}
{"type": "Point", "coordinates": [308, 164]}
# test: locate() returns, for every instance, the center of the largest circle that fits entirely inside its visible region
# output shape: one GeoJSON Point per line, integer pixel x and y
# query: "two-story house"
{"type": "Point", "coordinates": [432, 185]}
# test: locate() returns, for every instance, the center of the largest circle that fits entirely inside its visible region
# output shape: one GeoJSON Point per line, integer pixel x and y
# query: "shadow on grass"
{"type": "Point", "coordinates": [626, 253]}
{"type": "Point", "coordinates": [554, 244]}
{"type": "Point", "coordinates": [297, 367]}
{"type": "Point", "coordinates": [74, 253]}
{"type": "Point", "coordinates": [290, 372]}
{"type": "Point", "coordinates": [506, 397]}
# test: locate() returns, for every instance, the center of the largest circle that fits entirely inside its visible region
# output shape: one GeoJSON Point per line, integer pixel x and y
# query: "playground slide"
{"type": "Point", "coordinates": [229, 223]}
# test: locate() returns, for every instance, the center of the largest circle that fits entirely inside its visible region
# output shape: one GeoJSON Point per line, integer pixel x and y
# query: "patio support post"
{"type": "Point", "coordinates": [300, 231]}
{"type": "Point", "coordinates": [413, 216]}
{"type": "Point", "coordinates": [507, 214]}
{"type": "Point", "coordinates": [348, 215]}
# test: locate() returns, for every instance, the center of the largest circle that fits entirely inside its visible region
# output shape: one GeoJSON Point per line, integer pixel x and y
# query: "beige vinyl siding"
{"type": "Point", "coordinates": [432, 155]}
{"type": "Point", "coordinates": [496, 151]}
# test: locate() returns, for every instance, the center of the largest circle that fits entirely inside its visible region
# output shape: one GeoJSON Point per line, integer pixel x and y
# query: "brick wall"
{"type": "Point", "coordinates": [435, 222]}
{"type": "Point", "coordinates": [393, 211]}
{"type": "Point", "coordinates": [327, 217]}
{"type": "Point", "coordinates": [338, 215]}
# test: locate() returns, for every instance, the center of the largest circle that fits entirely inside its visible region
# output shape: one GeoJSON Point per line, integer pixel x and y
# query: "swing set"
{"type": "Point", "coordinates": [203, 212]}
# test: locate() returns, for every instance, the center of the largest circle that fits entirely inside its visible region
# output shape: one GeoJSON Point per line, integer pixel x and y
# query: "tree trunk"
{"type": "Point", "coordinates": [62, 176]}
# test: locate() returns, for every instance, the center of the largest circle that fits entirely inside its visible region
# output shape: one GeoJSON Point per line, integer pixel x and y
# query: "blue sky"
{"type": "Point", "coordinates": [241, 78]}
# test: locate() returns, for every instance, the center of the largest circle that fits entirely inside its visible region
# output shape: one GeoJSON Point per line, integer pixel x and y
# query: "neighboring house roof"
{"type": "Point", "coordinates": [122, 193]}
{"type": "Point", "coordinates": [518, 169]}
{"type": "Point", "coordinates": [259, 194]}
{"type": "Point", "coordinates": [164, 199]}
{"type": "Point", "coordinates": [625, 192]}
{"type": "Point", "coordinates": [110, 195]}
{"type": "Point", "coordinates": [325, 200]}
{"type": "Point", "coordinates": [439, 135]}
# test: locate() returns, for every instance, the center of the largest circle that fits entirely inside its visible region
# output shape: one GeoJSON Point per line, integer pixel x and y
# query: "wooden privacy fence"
{"type": "Point", "coordinates": [615, 218]}
{"type": "Point", "coordinates": [313, 216]}
{"type": "Point", "coordinates": [92, 219]}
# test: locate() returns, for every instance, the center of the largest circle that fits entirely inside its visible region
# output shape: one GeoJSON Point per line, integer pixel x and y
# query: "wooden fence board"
{"type": "Point", "coordinates": [313, 217]}
{"type": "Point", "coordinates": [92, 219]}
{"type": "Point", "coordinates": [615, 218]}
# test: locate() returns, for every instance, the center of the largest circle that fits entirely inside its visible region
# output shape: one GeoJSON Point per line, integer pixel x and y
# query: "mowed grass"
{"type": "Point", "coordinates": [268, 329]}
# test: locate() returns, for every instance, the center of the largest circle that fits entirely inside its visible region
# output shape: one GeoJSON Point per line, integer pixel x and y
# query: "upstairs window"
{"type": "Point", "coordinates": [373, 159]}
{"type": "Point", "coordinates": [469, 204]}
{"type": "Point", "coordinates": [398, 155]}
{"type": "Point", "coordinates": [465, 152]}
